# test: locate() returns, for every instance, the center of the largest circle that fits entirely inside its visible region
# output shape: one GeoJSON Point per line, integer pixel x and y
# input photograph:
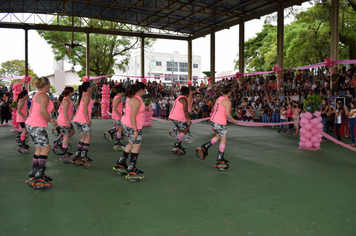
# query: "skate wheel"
{"type": "Point", "coordinates": [134, 177]}
{"type": "Point", "coordinates": [120, 170]}
{"type": "Point", "coordinates": [43, 185]}
{"type": "Point", "coordinates": [57, 150]}
{"type": "Point", "coordinates": [199, 154]}
{"type": "Point", "coordinates": [107, 136]}
{"type": "Point", "coordinates": [23, 150]}
{"type": "Point", "coordinates": [221, 165]}
{"type": "Point", "coordinates": [55, 132]}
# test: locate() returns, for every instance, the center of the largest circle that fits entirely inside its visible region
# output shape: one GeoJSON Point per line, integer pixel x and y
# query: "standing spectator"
{"type": "Point", "coordinates": [352, 121]}
{"type": "Point", "coordinates": [335, 81]}
{"type": "Point", "coordinates": [338, 111]}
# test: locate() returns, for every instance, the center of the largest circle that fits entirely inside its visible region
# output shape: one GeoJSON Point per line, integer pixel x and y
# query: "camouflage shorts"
{"type": "Point", "coordinates": [219, 129]}
{"type": "Point", "coordinates": [39, 135]}
{"type": "Point", "coordinates": [117, 123]}
{"type": "Point", "coordinates": [83, 128]}
{"type": "Point", "coordinates": [129, 134]}
{"type": "Point", "coordinates": [182, 125]}
{"type": "Point", "coordinates": [66, 129]}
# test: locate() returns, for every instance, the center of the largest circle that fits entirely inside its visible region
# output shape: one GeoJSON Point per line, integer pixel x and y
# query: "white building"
{"type": "Point", "coordinates": [61, 78]}
{"type": "Point", "coordinates": [164, 64]}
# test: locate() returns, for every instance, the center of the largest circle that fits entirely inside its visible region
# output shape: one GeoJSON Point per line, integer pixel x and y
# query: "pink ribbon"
{"type": "Point", "coordinates": [98, 77]}
{"type": "Point", "coordinates": [169, 121]}
{"type": "Point", "coordinates": [276, 70]}
{"type": "Point", "coordinates": [6, 124]}
{"type": "Point", "coordinates": [244, 123]}
{"type": "Point", "coordinates": [335, 140]}
{"type": "Point", "coordinates": [18, 77]}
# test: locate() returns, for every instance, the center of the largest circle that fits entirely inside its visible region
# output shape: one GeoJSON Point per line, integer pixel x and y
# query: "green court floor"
{"type": "Point", "coordinates": [271, 188]}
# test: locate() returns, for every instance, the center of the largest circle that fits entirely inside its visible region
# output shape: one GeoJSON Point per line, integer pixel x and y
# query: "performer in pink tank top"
{"type": "Point", "coordinates": [132, 123]}
{"type": "Point", "coordinates": [117, 112]}
{"type": "Point", "coordinates": [65, 120]}
{"type": "Point", "coordinates": [174, 132]}
{"type": "Point", "coordinates": [82, 121]}
{"type": "Point", "coordinates": [22, 113]}
{"type": "Point", "coordinates": [36, 124]}
{"type": "Point", "coordinates": [222, 111]}
{"type": "Point", "coordinates": [180, 118]}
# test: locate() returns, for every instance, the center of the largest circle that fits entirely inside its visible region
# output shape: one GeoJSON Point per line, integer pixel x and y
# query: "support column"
{"type": "Point", "coordinates": [241, 46]}
{"type": "Point", "coordinates": [142, 58]}
{"type": "Point", "coordinates": [212, 57]}
{"type": "Point", "coordinates": [334, 24]}
{"type": "Point", "coordinates": [190, 59]}
{"type": "Point", "coordinates": [88, 56]}
{"type": "Point", "coordinates": [280, 43]}
{"type": "Point", "coordinates": [26, 59]}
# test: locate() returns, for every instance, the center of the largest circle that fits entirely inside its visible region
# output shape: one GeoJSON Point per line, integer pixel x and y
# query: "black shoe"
{"type": "Point", "coordinates": [33, 171]}
{"type": "Point", "coordinates": [132, 168]}
{"type": "Point", "coordinates": [179, 145]}
{"type": "Point", "coordinates": [221, 157]}
{"type": "Point", "coordinates": [41, 175]}
{"type": "Point", "coordinates": [122, 161]}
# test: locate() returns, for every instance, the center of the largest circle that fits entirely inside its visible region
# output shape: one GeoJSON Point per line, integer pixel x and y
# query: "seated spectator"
{"type": "Point", "coordinates": [250, 113]}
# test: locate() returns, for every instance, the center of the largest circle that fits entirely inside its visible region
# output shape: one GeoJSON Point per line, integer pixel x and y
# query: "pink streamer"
{"type": "Point", "coordinates": [168, 121]}
{"type": "Point", "coordinates": [255, 124]}
{"type": "Point", "coordinates": [6, 124]}
{"type": "Point", "coordinates": [335, 140]}
{"type": "Point", "coordinates": [18, 77]}
{"type": "Point", "coordinates": [98, 77]}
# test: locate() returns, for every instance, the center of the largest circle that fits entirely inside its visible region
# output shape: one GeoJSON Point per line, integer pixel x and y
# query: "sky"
{"type": "Point", "coordinates": [41, 58]}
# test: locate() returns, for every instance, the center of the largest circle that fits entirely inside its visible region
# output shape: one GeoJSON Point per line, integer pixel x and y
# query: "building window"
{"type": "Point", "coordinates": [195, 65]}
{"type": "Point", "coordinates": [183, 78]}
{"type": "Point", "coordinates": [183, 67]}
{"type": "Point", "coordinates": [158, 63]}
{"type": "Point", "coordinates": [171, 64]}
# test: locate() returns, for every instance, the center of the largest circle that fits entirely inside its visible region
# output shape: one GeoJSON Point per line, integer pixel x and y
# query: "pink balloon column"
{"type": "Point", "coordinates": [147, 120]}
{"type": "Point", "coordinates": [310, 138]}
{"type": "Point", "coordinates": [16, 89]}
{"type": "Point", "coordinates": [105, 101]}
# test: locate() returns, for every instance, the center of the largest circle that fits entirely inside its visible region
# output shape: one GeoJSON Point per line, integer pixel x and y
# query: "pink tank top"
{"type": "Point", "coordinates": [289, 112]}
{"type": "Point", "coordinates": [219, 115]}
{"type": "Point", "coordinates": [24, 111]}
{"type": "Point", "coordinates": [126, 119]}
{"type": "Point", "coordinates": [61, 117]}
{"type": "Point", "coordinates": [80, 116]}
{"type": "Point", "coordinates": [35, 118]}
{"type": "Point", "coordinates": [177, 112]}
{"type": "Point", "coordinates": [120, 106]}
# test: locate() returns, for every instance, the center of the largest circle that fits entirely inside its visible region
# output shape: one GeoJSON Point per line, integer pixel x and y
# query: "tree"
{"type": "Point", "coordinates": [15, 68]}
{"type": "Point", "coordinates": [306, 41]}
{"type": "Point", "coordinates": [107, 52]}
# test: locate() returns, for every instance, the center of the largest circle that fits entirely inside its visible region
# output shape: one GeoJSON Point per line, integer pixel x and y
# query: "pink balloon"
{"type": "Point", "coordinates": [303, 130]}
{"type": "Point", "coordinates": [320, 118]}
{"type": "Point", "coordinates": [308, 115]}
{"type": "Point", "coordinates": [315, 121]}
{"type": "Point", "coordinates": [314, 139]}
{"type": "Point", "coordinates": [304, 121]}
{"type": "Point", "coordinates": [319, 135]}
{"type": "Point", "coordinates": [302, 115]}
{"type": "Point", "coordinates": [308, 135]}
{"type": "Point", "coordinates": [314, 131]}
{"type": "Point", "coordinates": [308, 127]}
{"type": "Point", "coordinates": [320, 125]}
{"type": "Point", "coordinates": [316, 145]}
{"type": "Point", "coordinates": [308, 144]}
{"type": "Point", "coordinates": [301, 144]}
{"type": "Point", "coordinates": [319, 140]}
{"type": "Point", "coordinates": [317, 113]}
{"type": "Point", "coordinates": [303, 139]}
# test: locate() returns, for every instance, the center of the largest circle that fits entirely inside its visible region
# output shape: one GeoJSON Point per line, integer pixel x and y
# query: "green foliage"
{"type": "Point", "coordinates": [53, 89]}
{"type": "Point", "coordinates": [75, 87]}
{"type": "Point", "coordinates": [312, 103]}
{"type": "Point", "coordinates": [306, 39]}
{"type": "Point", "coordinates": [147, 102]}
{"type": "Point", "coordinates": [14, 104]}
{"type": "Point", "coordinates": [107, 52]}
{"type": "Point", "coordinates": [14, 68]}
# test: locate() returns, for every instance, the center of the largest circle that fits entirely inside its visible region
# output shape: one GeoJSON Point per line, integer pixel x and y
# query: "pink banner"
{"type": "Point", "coordinates": [98, 77]}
